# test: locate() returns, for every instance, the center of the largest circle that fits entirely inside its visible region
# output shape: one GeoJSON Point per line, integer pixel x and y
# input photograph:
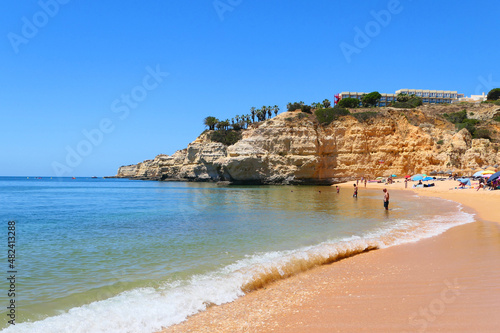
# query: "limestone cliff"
{"type": "Point", "coordinates": [294, 148]}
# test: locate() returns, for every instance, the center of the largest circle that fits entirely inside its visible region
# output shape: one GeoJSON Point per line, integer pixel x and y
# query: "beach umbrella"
{"type": "Point", "coordinates": [433, 172]}
{"type": "Point", "coordinates": [417, 177]}
{"type": "Point", "coordinates": [478, 174]}
{"type": "Point", "coordinates": [494, 177]}
{"type": "Point", "coordinates": [441, 172]}
{"type": "Point", "coordinates": [488, 172]}
{"type": "Point", "coordinates": [465, 181]}
{"type": "Point", "coordinates": [393, 176]}
{"type": "Point", "coordinates": [449, 172]}
{"type": "Point", "coordinates": [426, 179]}
{"type": "Point", "coordinates": [488, 175]}
{"type": "Point", "coordinates": [407, 176]}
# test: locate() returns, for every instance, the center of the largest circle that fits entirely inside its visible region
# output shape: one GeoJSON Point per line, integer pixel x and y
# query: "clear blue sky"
{"type": "Point", "coordinates": [67, 72]}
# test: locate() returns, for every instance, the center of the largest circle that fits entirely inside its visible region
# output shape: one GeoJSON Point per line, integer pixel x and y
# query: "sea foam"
{"type": "Point", "coordinates": [151, 309]}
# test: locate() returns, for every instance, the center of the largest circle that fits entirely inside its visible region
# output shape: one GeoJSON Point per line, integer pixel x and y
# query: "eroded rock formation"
{"type": "Point", "coordinates": [291, 149]}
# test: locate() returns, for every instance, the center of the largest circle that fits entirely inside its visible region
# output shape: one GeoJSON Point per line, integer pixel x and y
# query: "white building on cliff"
{"type": "Point", "coordinates": [428, 96]}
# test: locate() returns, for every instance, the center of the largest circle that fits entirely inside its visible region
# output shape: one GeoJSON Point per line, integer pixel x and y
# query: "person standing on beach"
{"type": "Point", "coordinates": [406, 182]}
{"type": "Point", "coordinates": [338, 189]}
{"type": "Point", "coordinates": [357, 181]}
{"type": "Point", "coordinates": [355, 195]}
{"type": "Point", "coordinates": [365, 182]}
{"type": "Point", "coordinates": [386, 199]}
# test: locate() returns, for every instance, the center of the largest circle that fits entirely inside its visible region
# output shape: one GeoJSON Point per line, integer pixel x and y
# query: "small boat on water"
{"type": "Point", "coordinates": [94, 177]}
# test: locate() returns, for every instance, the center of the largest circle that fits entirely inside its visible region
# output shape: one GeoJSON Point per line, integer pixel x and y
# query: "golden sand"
{"type": "Point", "coordinates": [447, 283]}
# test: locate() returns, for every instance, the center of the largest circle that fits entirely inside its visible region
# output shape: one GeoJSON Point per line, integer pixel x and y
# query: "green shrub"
{"type": "Point", "coordinates": [326, 116]}
{"type": "Point", "coordinates": [402, 105]}
{"type": "Point", "coordinates": [471, 121]}
{"type": "Point", "coordinates": [482, 133]}
{"type": "Point", "coordinates": [416, 101]}
{"type": "Point", "coordinates": [456, 117]}
{"type": "Point", "coordinates": [349, 102]}
{"type": "Point", "coordinates": [294, 106]}
{"type": "Point", "coordinates": [494, 94]}
{"type": "Point", "coordinates": [469, 126]}
{"type": "Point", "coordinates": [497, 102]}
{"type": "Point", "coordinates": [440, 142]}
{"type": "Point", "coordinates": [371, 99]}
{"type": "Point", "coordinates": [301, 115]}
{"type": "Point", "coordinates": [411, 103]}
{"type": "Point", "coordinates": [227, 137]}
{"type": "Point", "coordinates": [402, 97]}
{"type": "Point", "coordinates": [306, 109]}
{"type": "Point", "coordinates": [365, 116]}
{"type": "Point", "coordinates": [496, 117]}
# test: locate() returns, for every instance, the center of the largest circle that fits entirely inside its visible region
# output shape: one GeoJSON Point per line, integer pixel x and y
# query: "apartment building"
{"type": "Point", "coordinates": [428, 96]}
{"type": "Point", "coordinates": [432, 96]}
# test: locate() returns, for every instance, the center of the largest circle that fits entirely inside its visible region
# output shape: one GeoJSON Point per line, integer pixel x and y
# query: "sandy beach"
{"type": "Point", "coordinates": [447, 283]}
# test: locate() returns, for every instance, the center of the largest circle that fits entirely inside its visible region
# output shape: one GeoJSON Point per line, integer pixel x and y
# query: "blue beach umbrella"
{"type": "Point", "coordinates": [493, 177]}
{"type": "Point", "coordinates": [465, 181]}
{"type": "Point", "coordinates": [417, 177]}
{"type": "Point", "coordinates": [426, 179]}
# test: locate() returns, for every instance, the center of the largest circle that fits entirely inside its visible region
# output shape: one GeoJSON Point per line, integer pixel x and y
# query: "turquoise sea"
{"type": "Point", "coordinates": [114, 255]}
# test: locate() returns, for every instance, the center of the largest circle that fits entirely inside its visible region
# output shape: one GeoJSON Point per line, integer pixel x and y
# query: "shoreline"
{"type": "Point", "coordinates": [392, 289]}
{"type": "Point", "coordinates": [479, 202]}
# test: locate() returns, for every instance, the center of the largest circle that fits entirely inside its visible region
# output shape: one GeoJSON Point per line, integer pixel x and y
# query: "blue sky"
{"type": "Point", "coordinates": [66, 69]}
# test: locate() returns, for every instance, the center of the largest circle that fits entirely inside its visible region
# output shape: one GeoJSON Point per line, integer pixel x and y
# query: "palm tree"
{"type": "Point", "coordinates": [260, 114]}
{"type": "Point", "coordinates": [269, 112]}
{"type": "Point", "coordinates": [327, 103]}
{"type": "Point", "coordinates": [210, 122]}
{"type": "Point", "coordinates": [264, 112]}
{"type": "Point", "coordinates": [276, 109]}
{"type": "Point", "coordinates": [252, 111]}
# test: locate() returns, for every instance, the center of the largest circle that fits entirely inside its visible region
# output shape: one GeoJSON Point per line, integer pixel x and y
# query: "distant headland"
{"type": "Point", "coordinates": [321, 144]}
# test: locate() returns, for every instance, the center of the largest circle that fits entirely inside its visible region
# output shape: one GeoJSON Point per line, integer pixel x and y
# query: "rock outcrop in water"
{"type": "Point", "coordinates": [293, 148]}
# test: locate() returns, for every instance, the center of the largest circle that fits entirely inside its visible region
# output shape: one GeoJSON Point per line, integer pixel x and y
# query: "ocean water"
{"type": "Point", "coordinates": [114, 255]}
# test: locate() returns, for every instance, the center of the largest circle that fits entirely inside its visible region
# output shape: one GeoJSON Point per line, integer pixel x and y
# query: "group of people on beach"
{"type": "Point", "coordinates": [491, 186]}
{"type": "Point", "coordinates": [355, 194]}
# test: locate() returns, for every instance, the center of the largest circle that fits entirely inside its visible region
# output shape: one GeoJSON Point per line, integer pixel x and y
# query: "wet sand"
{"type": "Point", "coordinates": [448, 283]}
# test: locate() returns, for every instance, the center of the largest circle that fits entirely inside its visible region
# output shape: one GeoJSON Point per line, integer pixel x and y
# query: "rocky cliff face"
{"type": "Point", "coordinates": [294, 148]}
